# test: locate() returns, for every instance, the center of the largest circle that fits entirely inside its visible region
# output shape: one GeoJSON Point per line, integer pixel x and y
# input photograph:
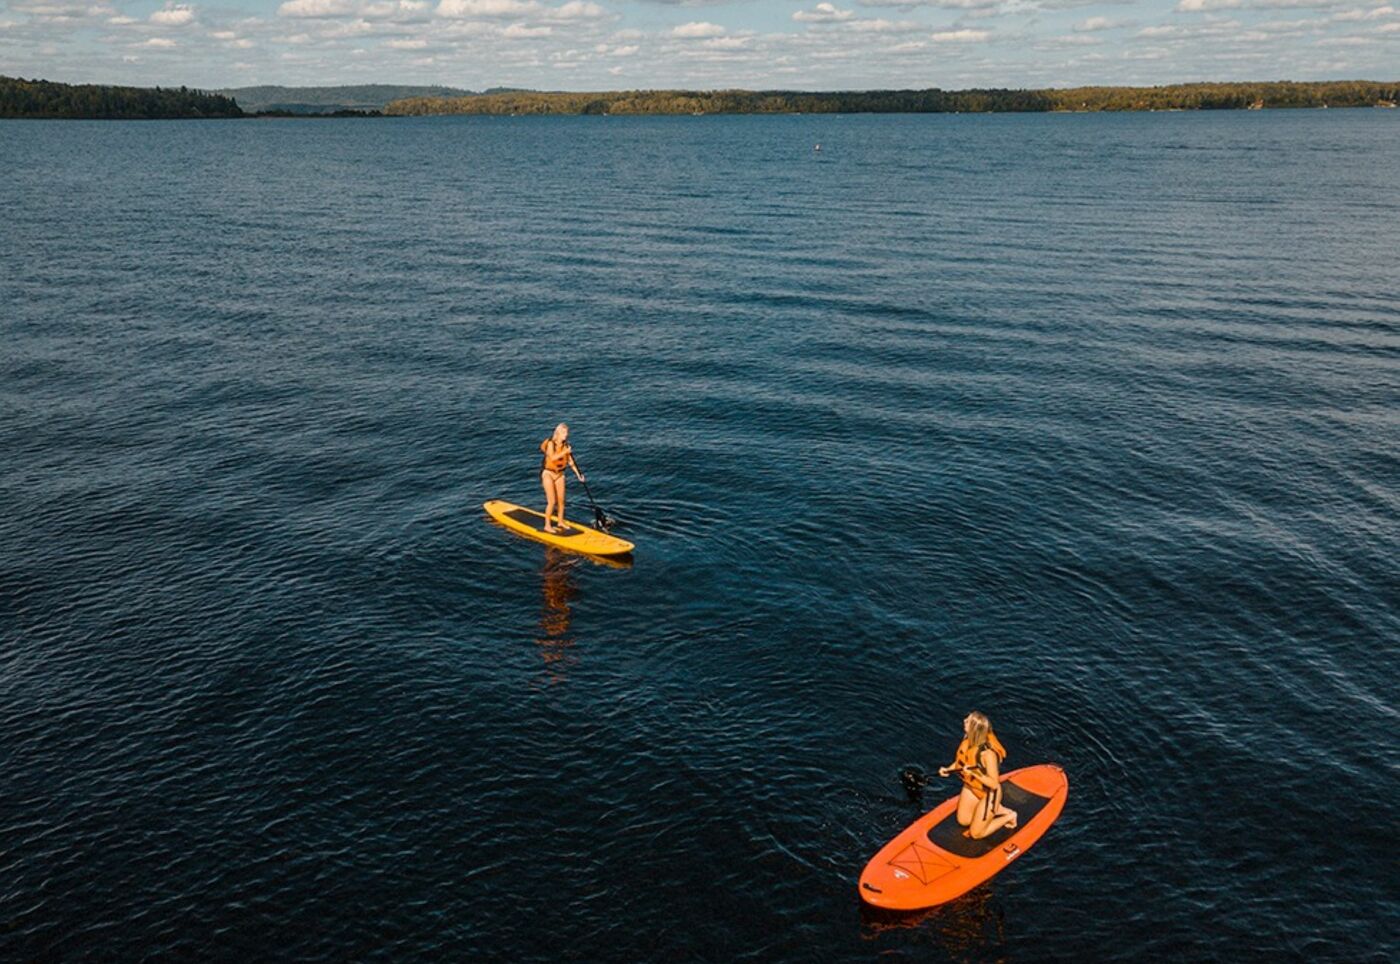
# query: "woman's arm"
{"type": "Point", "coordinates": [991, 774]}
{"type": "Point", "coordinates": [574, 465]}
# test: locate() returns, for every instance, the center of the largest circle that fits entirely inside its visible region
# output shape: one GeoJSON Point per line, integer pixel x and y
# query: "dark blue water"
{"type": "Point", "coordinates": [1089, 422]}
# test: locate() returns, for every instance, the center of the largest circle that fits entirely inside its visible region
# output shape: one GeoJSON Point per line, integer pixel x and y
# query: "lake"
{"type": "Point", "coordinates": [1091, 422]}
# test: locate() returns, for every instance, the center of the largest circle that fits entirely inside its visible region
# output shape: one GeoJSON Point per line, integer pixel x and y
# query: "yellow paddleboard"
{"type": "Point", "coordinates": [579, 538]}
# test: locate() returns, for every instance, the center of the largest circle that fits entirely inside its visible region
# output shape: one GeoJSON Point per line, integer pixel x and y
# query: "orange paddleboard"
{"type": "Point", "coordinates": [931, 862]}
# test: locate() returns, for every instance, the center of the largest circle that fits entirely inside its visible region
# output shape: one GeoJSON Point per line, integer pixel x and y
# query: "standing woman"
{"type": "Point", "coordinates": [978, 763]}
{"type": "Point", "coordinates": [558, 455]}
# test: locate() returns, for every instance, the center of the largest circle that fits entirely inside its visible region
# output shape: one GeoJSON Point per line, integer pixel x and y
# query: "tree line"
{"type": "Point", "coordinates": [42, 98]}
{"type": "Point", "coordinates": [1205, 96]}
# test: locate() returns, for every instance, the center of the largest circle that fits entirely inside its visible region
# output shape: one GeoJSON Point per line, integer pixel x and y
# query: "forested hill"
{"type": "Point", "coordinates": [326, 100]}
{"type": "Point", "coordinates": [42, 98]}
{"type": "Point", "coordinates": [1175, 97]}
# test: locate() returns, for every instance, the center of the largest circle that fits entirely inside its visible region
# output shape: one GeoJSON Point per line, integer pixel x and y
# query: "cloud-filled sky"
{"type": "Point", "coordinates": [613, 44]}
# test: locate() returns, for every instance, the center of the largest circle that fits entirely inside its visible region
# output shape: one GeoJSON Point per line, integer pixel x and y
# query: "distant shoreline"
{"type": "Point", "coordinates": [1182, 97]}
{"type": "Point", "coordinates": [39, 99]}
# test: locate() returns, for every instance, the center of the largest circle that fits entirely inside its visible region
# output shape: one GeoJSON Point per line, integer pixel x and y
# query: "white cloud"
{"type": "Point", "coordinates": [879, 25]}
{"type": "Point", "coordinates": [1375, 13]}
{"type": "Point", "coordinates": [963, 36]}
{"type": "Point", "coordinates": [402, 43]}
{"type": "Point", "coordinates": [625, 51]}
{"type": "Point", "coordinates": [823, 13]}
{"type": "Point", "coordinates": [62, 9]}
{"type": "Point", "coordinates": [974, 7]}
{"type": "Point", "coordinates": [1094, 24]}
{"type": "Point", "coordinates": [1204, 6]}
{"type": "Point", "coordinates": [349, 28]}
{"type": "Point", "coordinates": [159, 42]}
{"type": "Point", "coordinates": [466, 28]}
{"type": "Point", "coordinates": [726, 43]}
{"type": "Point", "coordinates": [941, 4]}
{"type": "Point", "coordinates": [314, 9]}
{"type": "Point", "coordinates": [577, 10]}
{"type": "Point", "coordinates": [402, 10]}
{"type": "Point", "coordinates": [1074, 4]}
{"type": "Point", "coordinates": [518, 31]}
{"type": "Point", "coordinates": [1287, 26]}
{"type": "Point", "coordinates": [501, 9]}
{"type": "Point", "coordinates": [697, 28]}
{"type": "Point", "coordinates": [174, 15]}
{"type": "Point", "coordinates": [1295, 4]}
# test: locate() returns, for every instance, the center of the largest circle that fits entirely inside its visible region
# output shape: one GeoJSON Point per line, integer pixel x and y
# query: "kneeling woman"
{"type": "Point", "coordinates": [978, 762]}
{"type": "Point", "coordinates": [558, 455]}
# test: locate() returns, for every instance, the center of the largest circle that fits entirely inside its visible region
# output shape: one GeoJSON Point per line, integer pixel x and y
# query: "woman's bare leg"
{"type": "Point", "coordinates": [548, 484]}
{"type": "Point", "coordinates": [990, 817]}
{"type": "Point", "coordinates": [559, 497]}
{"type": "Point", "coordinates": [967, 807]}
{"type": "Point", "coordinates": [991, 826]}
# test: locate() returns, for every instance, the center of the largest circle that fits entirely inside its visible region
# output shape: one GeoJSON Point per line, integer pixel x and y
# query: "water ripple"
{"type": "Point", "coordinates": [1018, 413]}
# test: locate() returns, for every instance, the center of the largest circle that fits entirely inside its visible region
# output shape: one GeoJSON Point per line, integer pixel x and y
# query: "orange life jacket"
{"type": "Point", "coordinates": [560, 458]}
{"type": "Point", "coordinates": [970, 759]}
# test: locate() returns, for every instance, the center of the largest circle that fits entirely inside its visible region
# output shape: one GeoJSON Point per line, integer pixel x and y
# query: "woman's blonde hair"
{"type": "Point", "coordinates": [562, 426]}
{"type": "Point", "coordinates": [978, 727]}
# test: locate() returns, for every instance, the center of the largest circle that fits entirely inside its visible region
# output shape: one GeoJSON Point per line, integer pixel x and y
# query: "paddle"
{"type": "Point", "coordinates": [600, 518]}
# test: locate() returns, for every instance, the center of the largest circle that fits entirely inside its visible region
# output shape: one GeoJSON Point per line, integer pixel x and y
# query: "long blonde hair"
{"type": "Point", "coordinates": [561, 427]}
{"type": "Point", "coordinates": [978, 728]}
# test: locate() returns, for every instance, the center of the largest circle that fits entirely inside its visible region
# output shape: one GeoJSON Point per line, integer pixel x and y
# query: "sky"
{"type": "Point", "coordinates": [623, 44]}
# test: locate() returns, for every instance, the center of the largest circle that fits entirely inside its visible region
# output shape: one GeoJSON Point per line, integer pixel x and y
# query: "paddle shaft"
{"type": "Point", "coordinates": [602, 517]}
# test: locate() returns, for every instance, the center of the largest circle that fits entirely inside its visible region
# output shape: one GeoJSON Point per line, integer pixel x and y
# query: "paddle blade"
{"type": "Point", "coordinates": [914, 781]}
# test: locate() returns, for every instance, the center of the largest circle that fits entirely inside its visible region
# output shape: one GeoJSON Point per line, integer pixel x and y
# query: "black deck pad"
{"type": "Point", "coordinates": [948, 835]}
{"type": "Point", "coordinates": [535, 520]}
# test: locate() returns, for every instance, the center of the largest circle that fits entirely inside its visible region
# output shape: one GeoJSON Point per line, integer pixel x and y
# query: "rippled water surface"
{"type": "Point", "coordinates": [1091, 422]}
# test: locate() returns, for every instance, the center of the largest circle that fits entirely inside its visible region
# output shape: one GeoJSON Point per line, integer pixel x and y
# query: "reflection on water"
{"type": "Point", "coordinates": [559, 579]}
{"type": "Point", "coordinates": [969, 928]}
{"type": "Point", "coordinates": [560, 588]}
